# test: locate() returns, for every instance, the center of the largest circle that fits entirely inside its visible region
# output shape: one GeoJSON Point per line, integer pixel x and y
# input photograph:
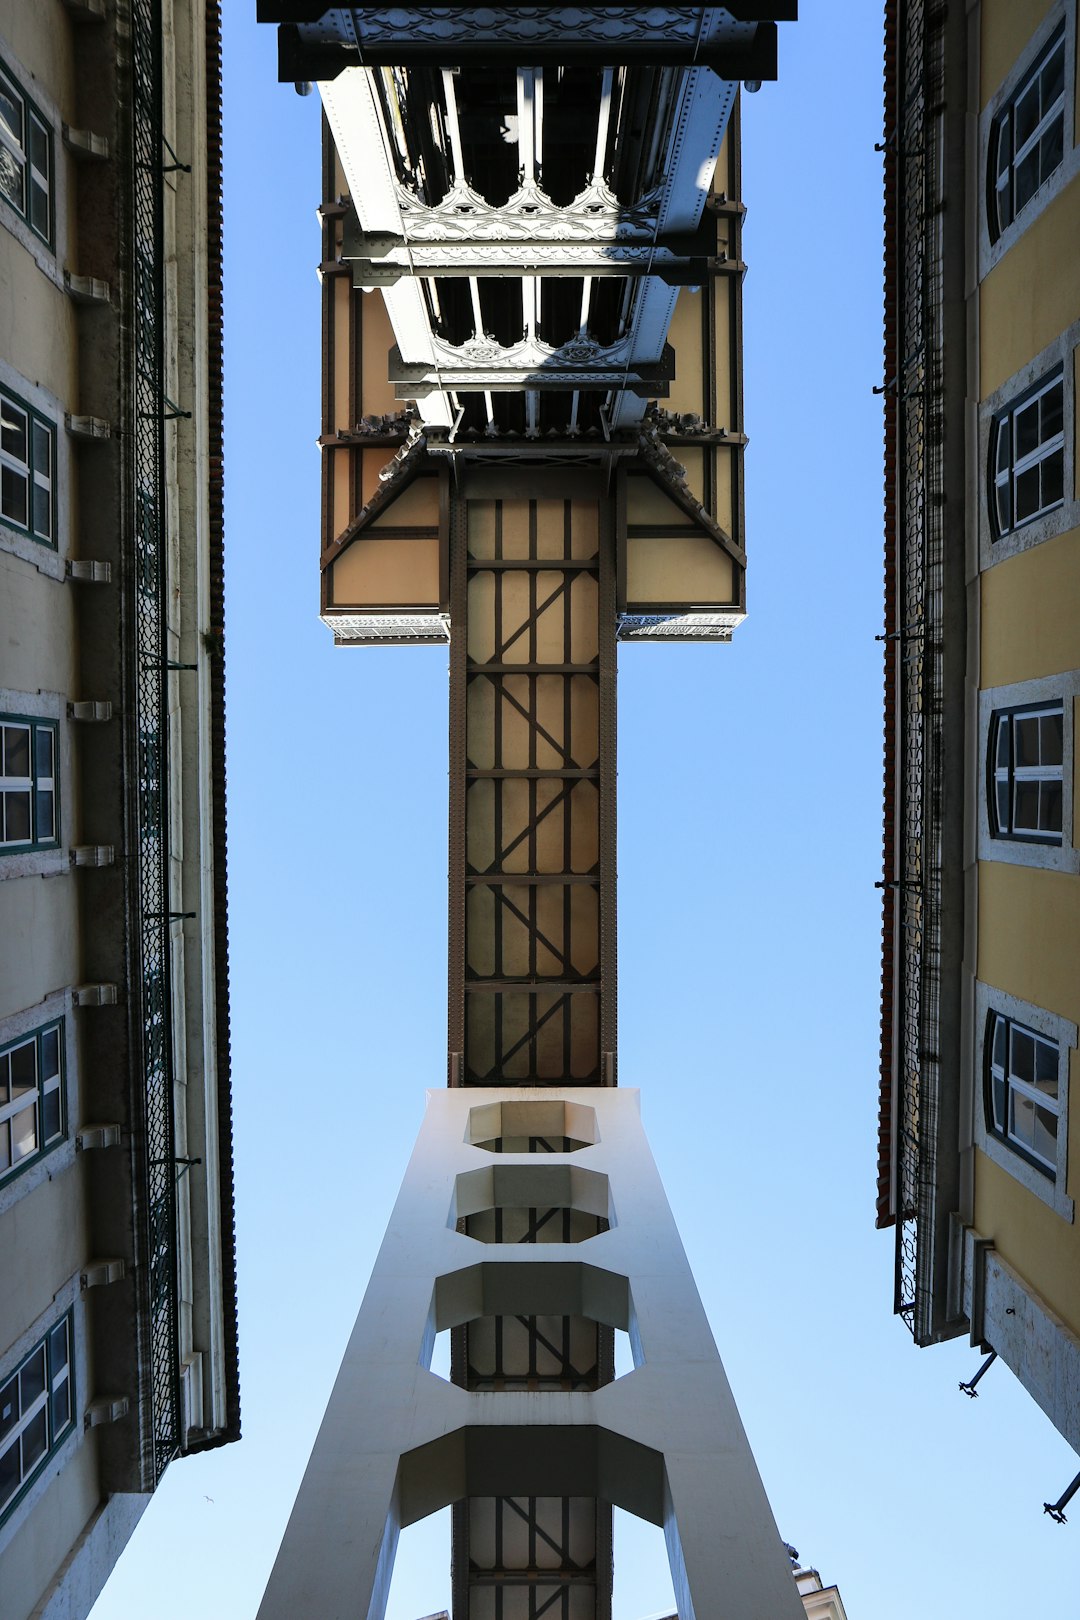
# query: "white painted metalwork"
{"type": "Point", "coordinates": [664, 1441]}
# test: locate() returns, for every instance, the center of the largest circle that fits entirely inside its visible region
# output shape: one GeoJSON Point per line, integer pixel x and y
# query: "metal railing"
{"type": "Point", "coordinates": [920, 524]}
{"type": "Point", "coordinates": [149, 615]}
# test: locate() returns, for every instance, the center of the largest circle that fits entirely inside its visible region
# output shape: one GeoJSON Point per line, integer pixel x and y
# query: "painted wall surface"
{"type": "Point", "coordinates": [1028, 925]}
{"type": "Point", "coordinates": [1033, 292]}
{"type": "Point", "coordinates": [44, 1244]}
{"type": "Point", "coordinates": [1029, 935]}
{"type": "Point", "coordinates": [1006, 29]}
{"type": "Point", "coordinates": [1029, 623]}
{"type": "Point", "coordinates": [60, 1516]}
{"type": "Point", "coordinates": [1042, 1247]}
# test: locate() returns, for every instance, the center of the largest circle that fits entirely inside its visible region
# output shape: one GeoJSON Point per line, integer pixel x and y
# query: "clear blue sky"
{"type": "Point", "coordinates": [749, 842]}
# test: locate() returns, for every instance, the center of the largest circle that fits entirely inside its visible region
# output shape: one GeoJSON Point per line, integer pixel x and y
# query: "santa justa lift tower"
{"type": "Point", "coordinates": [532, 450]}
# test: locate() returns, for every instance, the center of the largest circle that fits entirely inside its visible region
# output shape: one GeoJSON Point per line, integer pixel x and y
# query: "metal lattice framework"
{"type": "Point", "coordinates": [532, 668]}
{"type": "Point", "coordinates": [149, 608]}
{"type": "Point", "coordinates": [920, 603]}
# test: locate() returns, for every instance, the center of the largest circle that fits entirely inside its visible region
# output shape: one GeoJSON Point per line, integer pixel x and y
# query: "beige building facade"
{"type": "Point", "coordinates": [117, 1291]}
{"type": "Point", "coordinates": [980, 1156]}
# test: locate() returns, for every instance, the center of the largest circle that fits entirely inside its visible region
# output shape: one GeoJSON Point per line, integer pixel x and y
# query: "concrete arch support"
{"type": "Point", "coordinates": [664, 1442]}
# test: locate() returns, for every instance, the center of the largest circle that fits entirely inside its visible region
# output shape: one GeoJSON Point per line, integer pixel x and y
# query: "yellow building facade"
{"type": "Point", "coordinates": [980, 1161]}
{"type": "Point", "coordinates": [117, 1271]}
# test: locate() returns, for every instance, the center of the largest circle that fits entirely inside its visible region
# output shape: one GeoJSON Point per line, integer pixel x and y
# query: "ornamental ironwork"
{"type": "Point", "coordinates": [148, 606]}
{"type": "Point", "coordinates": [920, 534]}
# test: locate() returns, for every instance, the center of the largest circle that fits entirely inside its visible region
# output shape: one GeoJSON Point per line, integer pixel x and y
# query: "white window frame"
{"type": "Point", "coordinates": [45, 1086]}
{"type": "Point", "coordinates": [1048, 1186]}
{"type": "Point", "coordinates": [1005, 478]}
{"type": "Point", "coordinates": [58, 1374]}
{"type": "Point", "coordinates": [1001, 177]}
{"type": "Point", "coordinates": [17, 145]}
{"type": "Point", "coordinates": [1011, 775]}
{"type": "Point", "coordinates": [34, 784]}
{"type": "Point", "coordinates": [1030, 382]}
{"type": "Point", "coordinates": [992, 247]}
{"type": "Point", "coordinates": [1025, 696]}
{"type": "Point", "coordinates": [1003, 1073]}
{"type": "Point", "coordinates": [38, 429]}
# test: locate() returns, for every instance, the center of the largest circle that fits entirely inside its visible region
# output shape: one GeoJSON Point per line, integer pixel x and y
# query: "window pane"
{"type": "Point", "coordinates": [39, 146]}
{"type": "Point", "coordinates": [43, 510]}
{"type": "Point", "coordinates": [5, 1079]}
{"type": "Point", "coordinates": [1026, 114]}
{"type": "Point", "coordinates": [1051, 413]}
{"type": "Point", "coordinates": [1051, 148]}
{"type": "Point", "coordinates": [11, 113]}
{"type": "Point", "coordinates": [1052, 737]}
{"type": "Point", "coordinates": [1004, 510]}
{"type": "Point", "coordinates": [1004, 737]}
{"type": "Point", "coordinates": [11, 177]}
{"type": "Point", "coordinates": [1046, 1068]}
{"type": "Point", "coordinates": [61, 1408]}
{"type": "Point", "coordinates": [24, 1138]}
{"type": "Point", "coordinates": [1027, 429]}
{"type": "Point", "coordinates": [1045, 1138]}
{"type": "Point", "coordinates": [51, 1119]}
{"type": "Point", "coordinates": [1052, 78]}
{"type": "Point", "coordinates": [9, 1473]}
{"type": "Point", "coordinates": [5, 1146]}
{"type": "Point", "coordinates": [13, 430]}
{"type": "Point", "coordinates": [1027, 494]}
{"type": "Point", "coordinates": [35, 1440]}
{"type": "Point", "coordinates": [1022, 1125]}
{"type": "Point", "coordinates": [45, 817]}
{"type": "Point", "coordinates": [1022, 1055]}
{"type": "Point", "coordinates": [32, 1379]}
{"type": "Point", "coordinates": [997, 1098]}
{"type": "Point", "coordinates": [1002, 807]}
{"type": "Point", "coordinates": [1026, 737]}
{"type": "Point", "coordinates": [1053, 479]}
{"type": "Point", "coordinates": [43, 752]}
{"type": "Point", "coordinates": [39, 207]}
{"type": "Point", "coordinates": [1050, 798]}
{"type": "Point", "coordinates": [17, 751]}
{"type": "Point", "coordinates": [16, 818]}
{"type": "Point", "coordinates": [1026, 807]}
{"type": "Point", "coordinates": [13, 494]}
{"type": "Point", "coordinates": [58, 1347]}
{"type": "Point", "coordinates": [1001, 1030]}
{"type": "Point", "coordinates": [50, 1054]}
{"type": "Point", "coordinates": [1027, 178]}
{"type": "Point", "coordinates": [23, 1069]}
{"type": "Point", "coordinates": [9, 1407]}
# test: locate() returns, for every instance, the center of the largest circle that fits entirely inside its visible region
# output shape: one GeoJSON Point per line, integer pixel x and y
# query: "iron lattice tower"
{"type": "Point", "coordinates": [531, 238]}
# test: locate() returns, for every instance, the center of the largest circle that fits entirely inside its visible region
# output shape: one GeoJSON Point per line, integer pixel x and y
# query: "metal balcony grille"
{"type": "Point", "coordinates": [148, 576]}
{"type": "Point", "coordinates": [921, 542]}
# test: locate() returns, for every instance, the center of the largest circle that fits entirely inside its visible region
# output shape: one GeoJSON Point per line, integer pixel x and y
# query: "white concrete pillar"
{"type": "Point", "coordinates": [664, 1441]}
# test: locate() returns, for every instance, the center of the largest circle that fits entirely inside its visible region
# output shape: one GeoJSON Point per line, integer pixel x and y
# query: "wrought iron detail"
{"type": "Point", "coordinates": [150, 675]}
{"type": "Point", "coordinates": [595, 216]}
{"type": "Point", "coordinates": [920, 549]}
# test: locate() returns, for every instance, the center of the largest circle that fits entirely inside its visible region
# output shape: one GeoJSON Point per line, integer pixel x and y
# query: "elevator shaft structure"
{"type": "Point", "coordinates": [531, 237]}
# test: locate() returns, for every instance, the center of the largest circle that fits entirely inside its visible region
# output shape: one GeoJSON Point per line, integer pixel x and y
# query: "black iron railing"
{"type": "Point", "coordinates": [919, 605]}
{"type": "Point", "coordinates": [149, 614]}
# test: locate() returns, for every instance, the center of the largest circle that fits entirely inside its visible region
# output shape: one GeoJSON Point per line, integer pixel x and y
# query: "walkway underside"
{"type": "Point", "coordinates": [532, 998]}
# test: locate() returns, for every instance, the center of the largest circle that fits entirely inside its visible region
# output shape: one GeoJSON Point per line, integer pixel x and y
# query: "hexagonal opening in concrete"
{"type": "Point", "coordinates": [508, 1325]}
{"type": "Point", "coordinates": [526, 1203]}
{"type": "Point", "coordinates": [535, 1125]}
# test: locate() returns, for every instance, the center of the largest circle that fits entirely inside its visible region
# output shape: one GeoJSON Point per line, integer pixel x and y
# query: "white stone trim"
{"type": "Point", "coordinates": [62, 1156]}
{"type": "Point", "coordinates": [1061, 518]}
{"type": "Point", "coordinates": [1051, 1191]}
{"type": "Point", "coordinates": [1063, 857]}
{"type": "Point", "coordinates": [1026, 1332]}
{"type": "Point", "coordinates": [990, 253]}
{"type": "Point", "coordinates": [663, 1441]}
